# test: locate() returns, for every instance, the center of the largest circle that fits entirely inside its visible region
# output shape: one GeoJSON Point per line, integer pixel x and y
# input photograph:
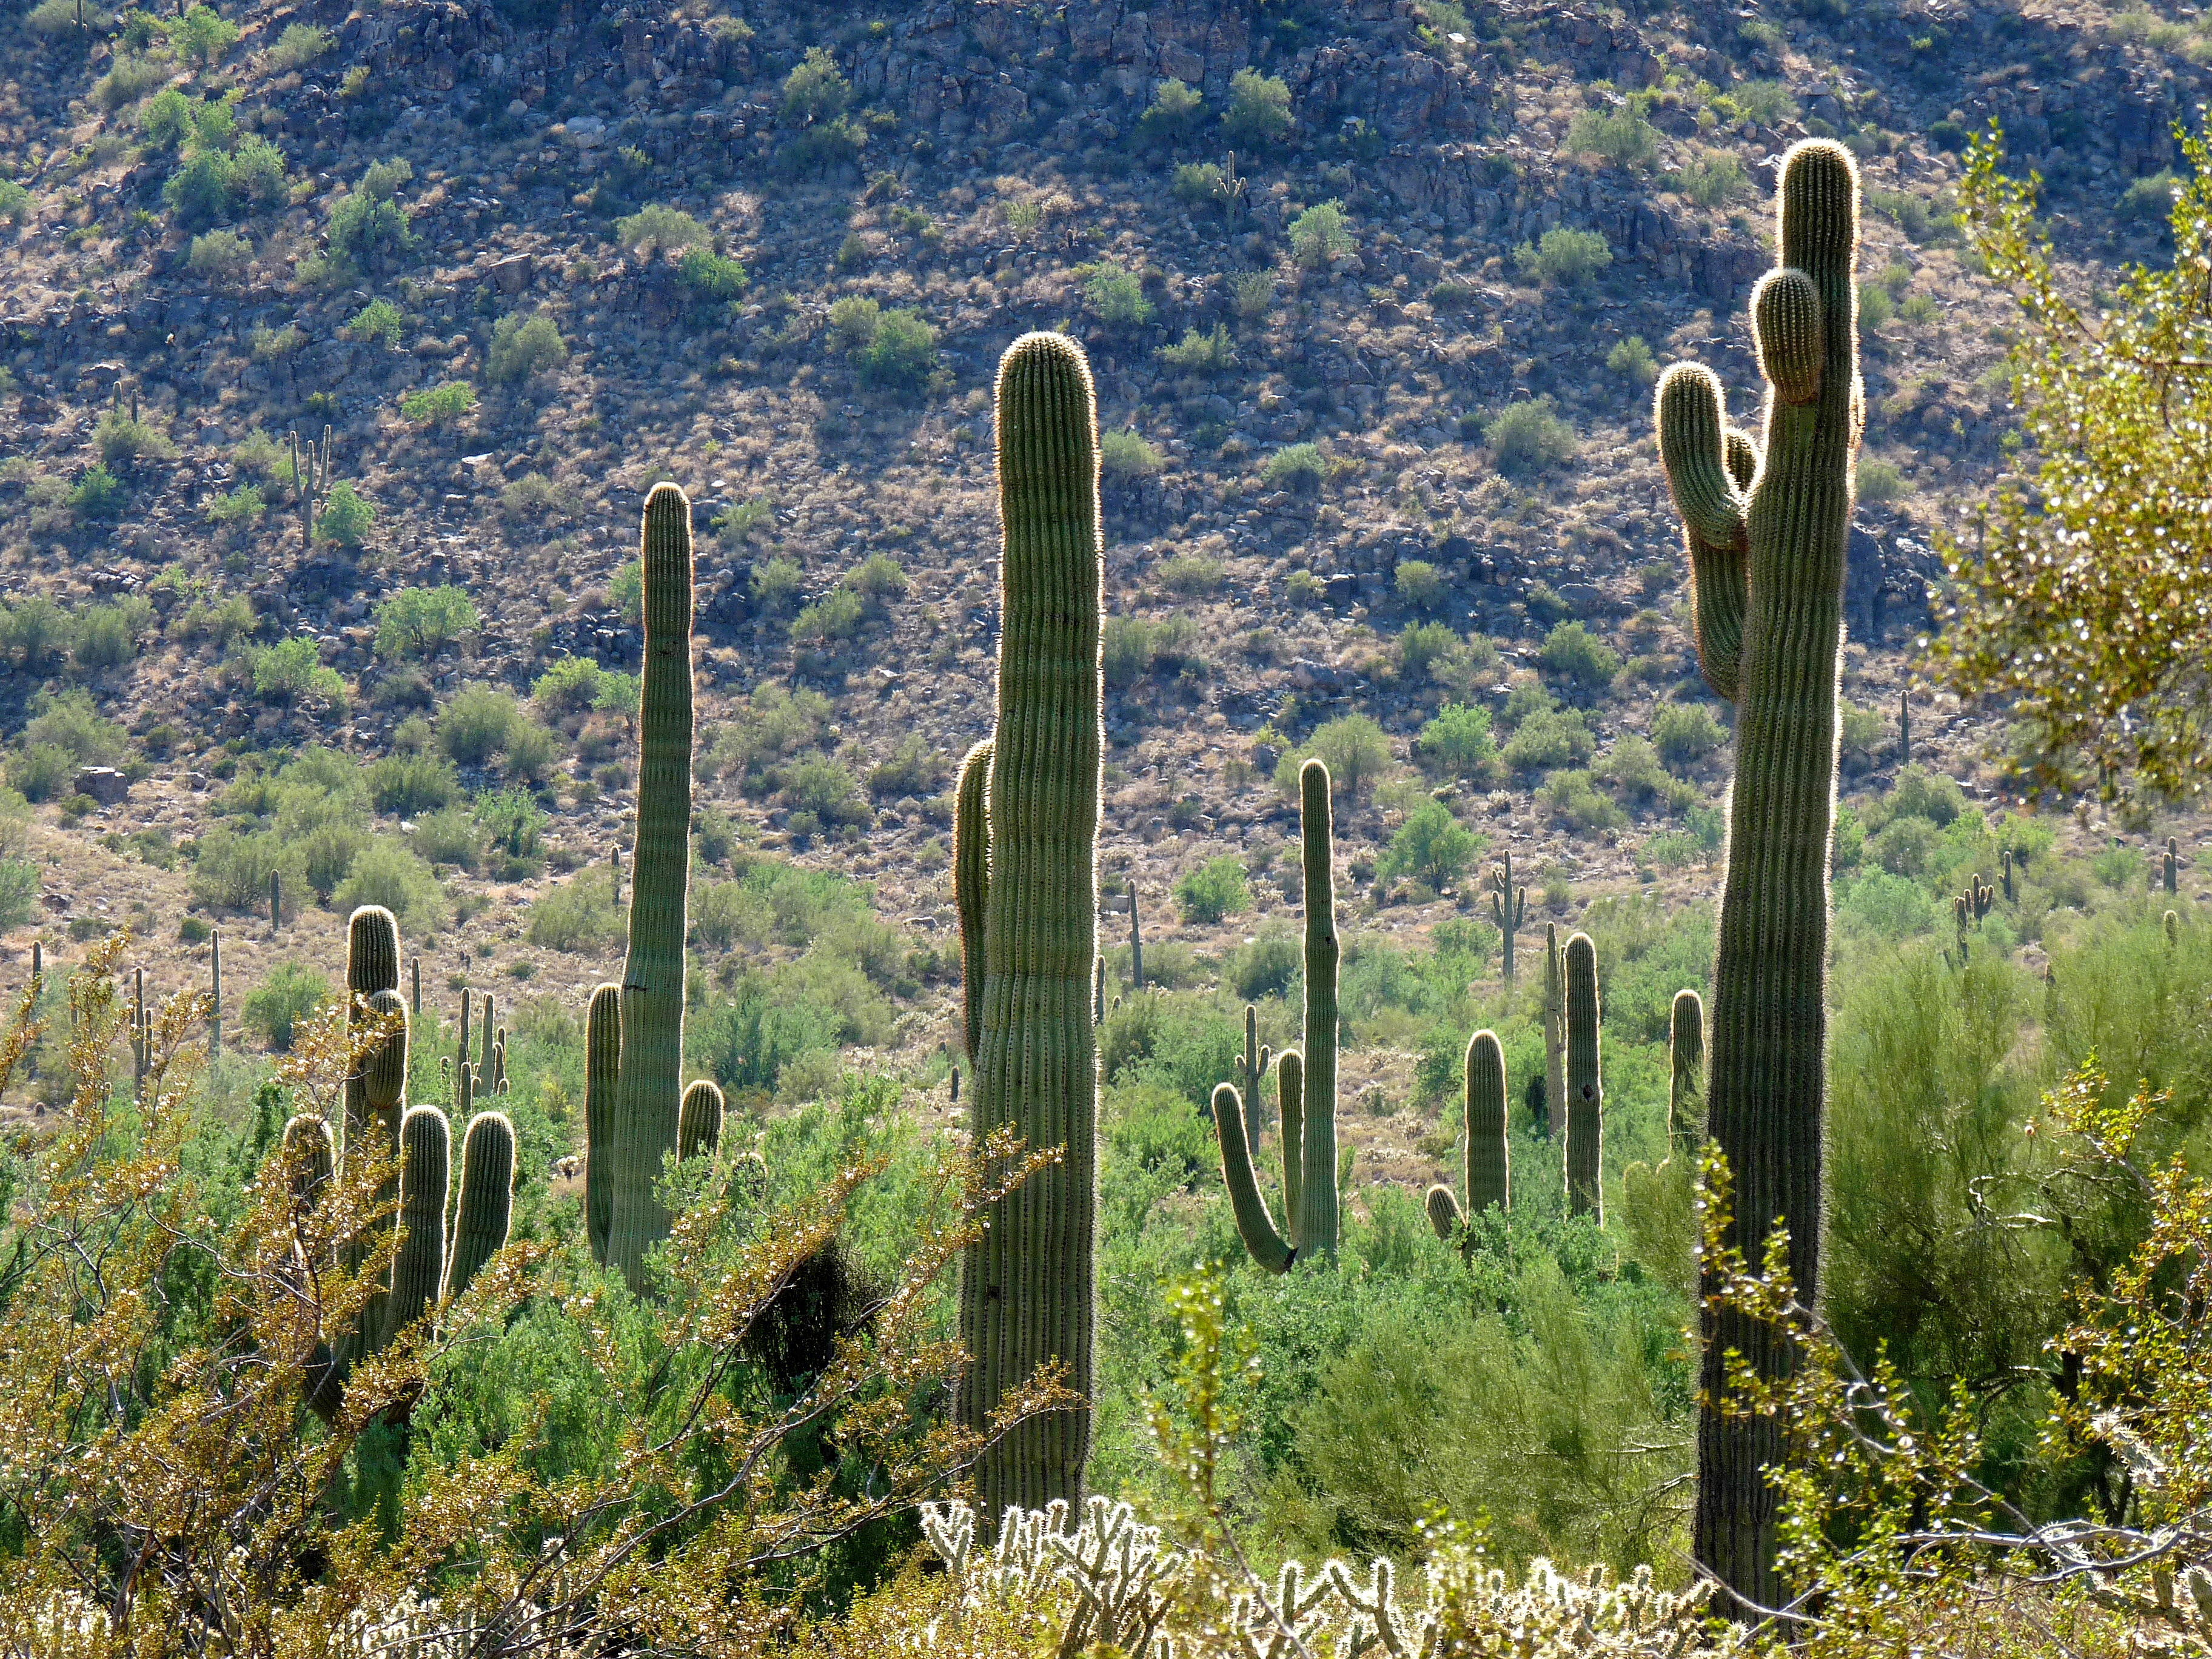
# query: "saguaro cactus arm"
{"type": "Point", "coordinates": [418, 1271]}
{"type": "Point", "coordinates": [1290, 1127]}
{"type": "Point", "coordinates": [699, 1120]}
{"type": "Point", "coordinates": [486, 1208]}
{"type": "Point", "coordinates": [1685, 1075]}
{"type": "Point", "coordinates": [1315, 1227]}
{"type": "Point", "coordinates": [1255, 1224]}
{"type": "Point", "coordinates": [602, 1066]}
{"type": "Point", "coordinates": [649, 1087]}
{"type": "Point", "coordinates": [1696, 446]}
{"type": "Point", "coordinates": [972, 885]}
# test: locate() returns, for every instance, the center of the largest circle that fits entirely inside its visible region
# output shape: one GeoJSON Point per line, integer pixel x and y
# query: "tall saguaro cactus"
{"type": "Point", "coordinates": [1489, 1168]}
{"type": "Point", "coordinates": [1028, 1286]}
{"type": "Point", "coordinates": [649, 1087]}
{"type": "Point", "coordinates": [1306, 1082]}
{"type": "Point", "coordinates": [1585, 1082]}
{"type": "Point", "coordinates": [1555, 1026]}
{"type": "Point", "coordinates": [1766, 554]}
{"type": "Point", "coordinates": [1685, 1076]}
{"type": "Point", "coordinates": [1509, 907]}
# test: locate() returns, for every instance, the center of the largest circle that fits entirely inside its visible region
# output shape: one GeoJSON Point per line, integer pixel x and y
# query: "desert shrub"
{"type": "Point", "coordinates": [1578, 657]}
{"type": "Point", "coordinates": [1174, 114]}
{"type": "Point", "coordinates": [291, 671]}
{"type": "Point", "coordinates": [1295, 464]}
{"type": "Point", "coordinates": [1421, 584]}
{"type": "Point", "coordinates": [535, 496]}
{"type": "Point", "coordinates": [1621, 137]}
{"type": "Point", "coordinates": [280, 1004]}
{"type": "Point", "coordinates": [299, 45]}
{"type": "Point", "coordinates": [1214, 890]}
{"type": "Point", "coordinates": [1115, 296]}
{"type": "Point", "coordinates": [18, 892]}
{"type": "Point", "coordinates": [1633, 361]}
{"type": "Point", "coordinates": [450, 835]}
{"type": "Point", "coordinates": [1458, 742]}
{"type": "Point", "coordinates": [1123, 455]}
{"type": "Point", "coordinates": [1631, 771]}
{"type": "Point", "coordinates": [915, 768]}
{"type": "Point", "coordinates": [477, 724]}
{"type": "Point", "coordinates": [1258, 113]}
{"type": "Point", "coordinates": [825, 790]}
{"type": "Point", "coordinates": [837, 615]}
{"type": "Point", "coordinates": [221, 253]}
{"type": "Point", "coordinates": [230, 869]}
{"type": "Point", "coordinates": [710, 276]}
{"type": "Point", "coordinates": [34, 630]}
{"type": "Point", "coordinates": [15, 202]}
{"type": "Point", "coordinates": [417, 622]}
{"type": "Point", "coordinates": [1355, 751]}
{"type": "Point", "coordinates": [1547, 739]}
{"type": "Point", "coordinates": [1432, 848]}
{"type": "Point", "coordinates": [777, 582]}
{"type": "Point", "coordinates": [1881, 481]}
{"type": "Point", "coordinates": [742, 518]}
{"type": "Point", "coordinates": [42, 771]}
{"type": "Point", "coordinates": [1574, 800]}
{"type": "Point", "coordinates": [366, 227]}
{"type": "Point", "coordinates": [901, 353]}
{"type": "Point", "coordinates": [72, 722]}
{"type": "Point", "coordinates": [657, 229]}
{"type": "Point", "coordinates": [1320, 236]}
{"type": "Point", "coordinates": [579, 914]}
{"type": "Point", "coordinates": [1530, 437]}
{"type": "Point", "coordinates": [1201, 354]}
{"type": "Point", "coordinates": [122, 440]}
{"type": "Point", "coordinates": [523, 348]}
{"type": "Point", "coordinates": [108, 636]}
{"type": "Point", "coordinates": [1192, 576]}
{"type": "Point", "coordinates": [128, 78]}
{"type": "Point", "coordinates": [1563, 255]}
{"type": "Point", "coordinates": [1268, 967]}
{"type": "Point", "coordinates": [1133, 647]}
{"type": "Point", "coordinates": [1686, 732]}
{"type": "Point", "coordinates": [97, 494]}
{"type": "Point", "coordinates": [347, 517]}
{"type": "Point", "coordinates": [412, 784]}
{"type": "Point", "coordinates": [569, 687]}
{"type": "Point", "coordinates": [1711, 179]}
{"type": "Point", "coordinates": [440, 405]}
{"type": "Point", "coordinates": [200, 35]}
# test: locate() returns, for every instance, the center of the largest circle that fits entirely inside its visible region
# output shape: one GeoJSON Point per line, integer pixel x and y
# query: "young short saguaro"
{"type": "Point", "coordinates": [1028, 1286]}
{"type": "Point", "coordinates": [1766, 525]}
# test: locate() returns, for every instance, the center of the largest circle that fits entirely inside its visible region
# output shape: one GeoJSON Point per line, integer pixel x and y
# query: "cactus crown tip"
{"type": "Point", "coordinates": [668, 495]}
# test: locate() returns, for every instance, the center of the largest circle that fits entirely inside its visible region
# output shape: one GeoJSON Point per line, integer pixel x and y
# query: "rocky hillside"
{"type": "Point", "coordinates": [1374, 289]}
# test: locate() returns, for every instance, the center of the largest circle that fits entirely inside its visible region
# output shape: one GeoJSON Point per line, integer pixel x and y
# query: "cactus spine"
{"type": "Point", "coordinates": [602, 1064]}
{"type": "Point", "coordinates": [1771, 553]}
{"type": "Point", "coordinates": [1685, 1076]}
{"type": "Point", "coordinates": [648, 1089]}
{"type": "Point", "coordinates": [487, 1199]}
{"type": "Point", "coordinates": [1028, 1286]}
{"type": "Point", "coordinates": [1489, 1163]}
{"type": "Point", "coordinates": [1585, 1085]}
{"type": "Point", "coordinates": [1509, 907]}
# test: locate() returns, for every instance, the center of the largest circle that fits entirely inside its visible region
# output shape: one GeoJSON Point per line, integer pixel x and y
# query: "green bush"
{"type": "Point", "coordinates": [579, 914]}
{"type": "Point", "coordinates": [1712, 178]}
{"type": "Point", "coordinates": [1530, 437]}
{"type": "Point", "coordinates": [20, 885]}
{"type": "Point", "coordinates": [1631, 771]}
{"type": "Point", "coordinates": [1633, 361]}
{"type": "Point", "coordinates": [837, 615]}
{"type": "Point", "coordinates": [523, 348]}
{"type": "Point", "coordinates": [710, 276]}
{"type": "Point", "coordinates": [1214, 890]}
{"type": "Point", "coordinates": [230, 869]}
{"type": "Point", "coordinates": [122, 440]}
{"type": "Point", "coordinates": [439, 405]}
{"type": "Point", "coordinates": [1268, 967]}
{"type": "Point", "coordinates": [739, 521]}
{"type": "Point", "coordinates": [1621, 137]}
{"type": "Point", "coordinates": [365, 226]}
{"type": "Point", "coordinates": [1578, 657]}
{"type": "Point", "coordinates": [450, 835]}
{"type": "Point", "coordinates": [299, 45]}
{"type": "Point", "coordinates": [219, 253]}
{"type": "Point", "coordinates": [128, 78]}
{"type": "Point", "coordinates": [569, 687]}
{"type": "Point", "coordinates": [1421, 584]}
{"type": "Point", "coordinates": [201, 34]}
{"type": "Point", "coordinates": [477, 724]}
{"type": "Point", "coordinates": [1192, 576]}
{"type": "Point", "coordinates": [1198, 183]}
{"type": "Point", "coordinates": [1201, 354]}
{"type": "Point", "coordinates": [1115, 296]}
{"type": "Point", "coordinates": [1133, 647]}
{"type": "Point", "coordinates": [1881, 481]}
{"type": "Point", "coordinates": [417, 622]}
{"type": "Point", "coordinates": [291, 671]}
{"type": "Point", "coordinates": [1123, 455]}
{"type": "Point", "coordinates": [1686, 732]}
{"type": "Point", "coordinates": [657, 230]}
{"type": "Point", "coordinates": [1174, 114]}
{"type": "Point", "coordinates": [1575, 801]}
{"type": "Point", "coordinates": [1258, 113]}
{"type": "Point", "coordinates": [70, 720]}
{"type": "Point", "coordinates": [1457, 743]}
{"type": "Point", "coordinates": [513, 823]}
{"type": "Point", "coordinates": [1356, 753]}
{"type": "Point", "coordinates": [108, 636]}
{"type": "Point", "coordinates": [1295, 464]}
{"type": "Point", "coordinates": [1873, 305]}
{"type": "Point", "coordinates": [1432, 848]}
{"type": "Point", "coordinates": [1320, 236]}
{"type": "Point", "coordinates": [347, 519]}
{"type": "Point", "coordinates": [15, 202]}
{"type": "Point", "coordinates": [378, 322]}
{"type": "Point", "coordinates": [97, 494]}
{"type": "Point", "coordinates": [1547, 739]}
{"type": "Point", "coordinates": [777, 583]}
{"type": "Point", "coordinates": [412, 784]}
{"type": "Point", "coordinates": [1564, 256]}
{"type": "Point", "coordinates": [274, 1009]}
{"type": "Point", "coordinates": [215, 180]}
{"type": "Point", "coordinates": [42, 771]}
{"type": "Point", "coordinates": [895, 349]}
{"type": "Point", "coordinates": [825, 790]}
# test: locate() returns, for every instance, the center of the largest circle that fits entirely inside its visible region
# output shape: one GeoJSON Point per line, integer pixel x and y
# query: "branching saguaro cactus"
{"type": "Point", "coordinates": [1489, 1172]}
{"type": "Point", "coordinates": [649, 1087]}
{"type": "Point", "coordinates": [1028, 1286]}
{"type": "Point", "coordinates": [1305, 1082]}
{"type": "Point", "coordinates": [1509, 907]}
{"type": "Point", "coordinates": [1585, 1138]}
{"type": "Point", "coordinates": [1766, 526]}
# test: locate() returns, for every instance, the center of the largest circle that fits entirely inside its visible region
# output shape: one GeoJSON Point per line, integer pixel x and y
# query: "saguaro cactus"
{"type": "Point", "coordinates": [1306, 1082]}
{"type": "Point", "coordinates": [1555, 1024]}
{"type": "Point", "coordinates": [2005, 875]}
{"type": "Point", "coordinates": [1585, 1085]}
{"type": "Point", "coordinates": [1685, 1076]}
{"type": "Point", "coordinates": [648, 1088]}
{"type": "Point", "coordinates": [1136, 942]}
{"type": "Point", "coordinates": [487, 1199]}
{"type": "Point", "coordinates": [1509, 907]}
{"type": "Point", "coordinates": [214, 992]}
{"type": "Point", "coordinates": [1766, 551]}
{"type": "Point", "coordinates": [699, 1120]}
{"type": "Point", "coordinates": [971, 880]}
{"type": "Point", "coordinates": [1489, 1163]}
{"type": "Point", "coordinates": [602, 1066]}
{"type": "Point", "coordinates": [418, 1271]}
{"type": "Point", "coordinates": [2170, 865]}
{"type": "Point", "coordinates": [1027, 1287]}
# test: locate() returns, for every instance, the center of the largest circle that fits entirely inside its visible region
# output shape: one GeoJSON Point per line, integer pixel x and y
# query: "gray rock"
{"type": "Point", "coordinates": [103, 783]}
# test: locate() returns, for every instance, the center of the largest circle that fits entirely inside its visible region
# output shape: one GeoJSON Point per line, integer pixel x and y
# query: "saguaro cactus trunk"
{"type": "Point", "coordinates": [1585, 1083]}
{"type": "Point", "coordinates": [1027, 1291]}
{"type": "Point", "coordinates": [649, 1086]}
{"type": "Point", "coordinates": [1770, 549]}
{"type": "Point", "coordinates": [1489, 1175]}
